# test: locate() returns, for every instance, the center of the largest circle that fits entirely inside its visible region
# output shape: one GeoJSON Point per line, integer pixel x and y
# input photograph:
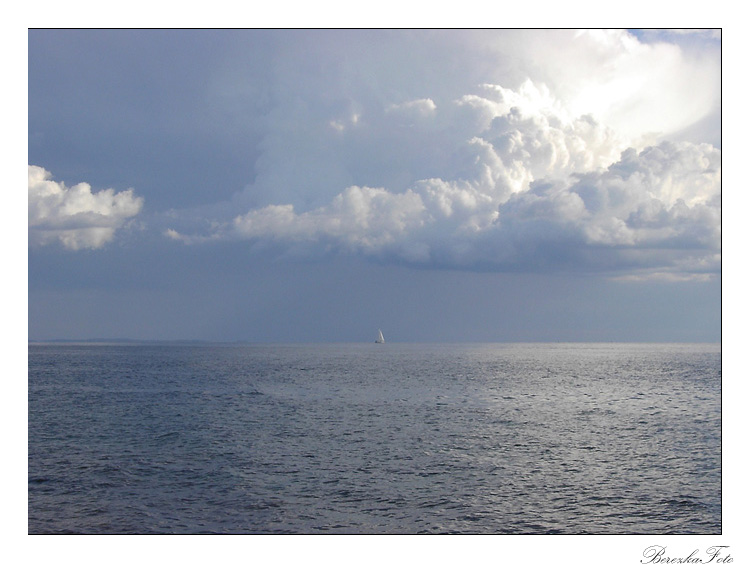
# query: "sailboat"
{"type": "Point", "coordinates": [380, 338]}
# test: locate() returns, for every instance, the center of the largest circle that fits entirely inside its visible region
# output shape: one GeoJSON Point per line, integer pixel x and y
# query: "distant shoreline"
{"type": "Point", "coordinates": [132, 342]}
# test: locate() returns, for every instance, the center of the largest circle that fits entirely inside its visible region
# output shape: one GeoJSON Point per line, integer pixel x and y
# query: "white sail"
{"type": "Point", "coordinates": [380, 338]}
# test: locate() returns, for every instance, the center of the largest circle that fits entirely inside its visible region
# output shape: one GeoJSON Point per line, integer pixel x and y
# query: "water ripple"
{"type": "Point", "coordinates": [530, 439]}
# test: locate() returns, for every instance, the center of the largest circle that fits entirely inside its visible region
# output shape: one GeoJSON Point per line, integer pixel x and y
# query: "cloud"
{"type": "Point", "coordinates": [638, 87]}
{"type": "Point", "coordinates": [657, 209]}
{"type": "Point", "coordinates": [75, 216]}
{"type": "Point", "coordinates": [573, 169]}
{"type": "Point", "coordinates": [377, 108]}
{"type": "Point", "coordinates": [422, 108]}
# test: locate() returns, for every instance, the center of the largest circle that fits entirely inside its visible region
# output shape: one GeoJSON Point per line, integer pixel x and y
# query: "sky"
{"type": "Point", "coordinates": [317, 185]}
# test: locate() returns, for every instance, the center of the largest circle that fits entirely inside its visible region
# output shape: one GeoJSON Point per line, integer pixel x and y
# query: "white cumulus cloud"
{"type": "Point", "coordinates": [579, 172]}
{"type": "Point", "coordinates": [75, 216]}
{"type": "Point", "coordinates": [658, 208]}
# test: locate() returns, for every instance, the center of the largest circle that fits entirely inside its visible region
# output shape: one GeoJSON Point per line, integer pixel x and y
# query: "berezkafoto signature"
{"type": "Point", "coordinates": [657, 554]}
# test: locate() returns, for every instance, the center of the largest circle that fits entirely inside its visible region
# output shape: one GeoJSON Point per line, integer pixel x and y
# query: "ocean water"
{"type": "Point", "coordinates": [395, 438]}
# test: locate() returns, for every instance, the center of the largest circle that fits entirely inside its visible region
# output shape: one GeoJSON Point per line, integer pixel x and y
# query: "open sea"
{"type": "Point", "coordinates": [366, 438]}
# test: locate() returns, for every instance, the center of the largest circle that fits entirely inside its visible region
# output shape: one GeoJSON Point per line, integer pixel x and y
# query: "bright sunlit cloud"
{"type": "Point", "coordinates": [75, 216]}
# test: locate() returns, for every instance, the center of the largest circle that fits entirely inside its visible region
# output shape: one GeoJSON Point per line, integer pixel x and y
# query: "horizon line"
{"type": "Point", "coordinates": [250, 342]}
